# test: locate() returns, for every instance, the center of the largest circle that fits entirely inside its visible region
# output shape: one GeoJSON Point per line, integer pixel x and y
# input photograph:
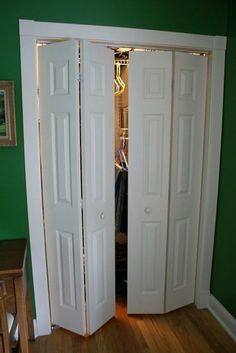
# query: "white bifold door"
{"type": "Point", "coordinates": [60, 148]}
{"type": "Point", "coordinates": [166, 131]}
{"type": "Point", "coordinates": [150, 77]}
{"type": "Point", "coordinates": [78, 269]}
{"type": "Point", "coordinates": [186, 174]}
{"type": "Point", "coordinates": [97, 70]}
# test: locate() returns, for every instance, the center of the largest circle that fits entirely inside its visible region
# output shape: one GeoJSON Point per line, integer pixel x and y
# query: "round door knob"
{"type": "Point", "coordinates": [147, 210]}
{"type": "Point", "coordinates": [102, 215]}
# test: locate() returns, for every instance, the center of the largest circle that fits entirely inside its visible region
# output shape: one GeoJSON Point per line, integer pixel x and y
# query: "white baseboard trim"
{"type": "Point", "coordinates": [202, 299]}
{"type": "Point", "coordinates": [222, 316]}
{"type": "Point", "coordinates": [41, 330]}
{"type": "Point", "coordinates": [35, 328]}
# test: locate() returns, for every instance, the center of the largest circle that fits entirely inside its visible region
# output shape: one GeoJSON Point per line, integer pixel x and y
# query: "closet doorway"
{"type": "Point", "coordinates": [165, 104]}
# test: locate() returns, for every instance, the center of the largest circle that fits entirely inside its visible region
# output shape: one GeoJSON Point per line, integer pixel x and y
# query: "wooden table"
{"type": "Point", "coordinates": [15, 292]}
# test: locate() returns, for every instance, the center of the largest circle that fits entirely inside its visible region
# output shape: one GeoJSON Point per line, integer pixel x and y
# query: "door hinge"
{"type": "Point", "coordinates": [82, 203]}
{"type": "Point", "coordinates": [38, 91]}
{"type": "Point", "coordinates": [78, 77]}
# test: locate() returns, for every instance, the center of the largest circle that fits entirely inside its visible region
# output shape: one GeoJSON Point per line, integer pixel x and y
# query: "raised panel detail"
{"type": "Point", "coordinates": [99, 270]}
{"type": "Point", "coordinates": [98, 156]}
{"type": "Point", "coordinates": [185, 152]}
{"type": "Point", "coordinates": [187, 88]}
{"type": "Point", "coordinates": [66, 268]}
{"type": "Point", "coordinates": [153, 83]}
{"type": "Point", "coordinates": [60, 128]}
{"type": "Point", "coordinates": [59, 78]}
{"type": "Point", "coordinates": [181, 236]}
{"type": "Point", "coordinates": [153, 151]}
{"type": "Point", "coordinates": [151, 233]}
{"type": "Point", "coordinates": [97, 79]}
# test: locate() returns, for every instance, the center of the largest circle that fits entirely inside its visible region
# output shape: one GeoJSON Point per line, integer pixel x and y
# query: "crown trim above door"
{"type": "Point", "coordinates": [30, 33]}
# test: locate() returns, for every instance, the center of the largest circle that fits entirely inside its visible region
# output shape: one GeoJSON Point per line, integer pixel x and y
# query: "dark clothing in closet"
{"type": "Point", "coordinates": [121, 201]}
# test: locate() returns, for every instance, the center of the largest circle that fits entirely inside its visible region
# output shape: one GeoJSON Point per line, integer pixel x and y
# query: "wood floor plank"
{"type": "Point", "coordinates": [211, 330]}
{"type": "Point", "coordinates": [166, 338]}
{"type": "Point", "coordinates": [187, 330]}
{"type": "Point", "coordinates": [187, 334]}
{"type": "Point", "coordinates": [138, 336]}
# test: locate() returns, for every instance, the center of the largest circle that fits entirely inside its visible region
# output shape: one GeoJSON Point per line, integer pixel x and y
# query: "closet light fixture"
{"type": "Point", "coordinates": [123, 50]}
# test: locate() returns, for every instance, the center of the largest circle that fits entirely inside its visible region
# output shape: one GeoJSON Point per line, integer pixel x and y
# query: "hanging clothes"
{"type": "Point", "coordinates": [121, 225]}
{"type": "Point", "coordinates": [121, 201]}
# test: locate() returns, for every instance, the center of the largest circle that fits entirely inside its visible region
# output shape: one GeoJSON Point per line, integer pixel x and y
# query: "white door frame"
{"type": "Point", "coordinates": [30, 33]}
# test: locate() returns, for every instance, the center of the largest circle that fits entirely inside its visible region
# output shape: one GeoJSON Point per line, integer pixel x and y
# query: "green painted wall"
{"type": "Point", "coordinates": [193, 16]}
{"type": "Point", "coordinates": [223, 284]}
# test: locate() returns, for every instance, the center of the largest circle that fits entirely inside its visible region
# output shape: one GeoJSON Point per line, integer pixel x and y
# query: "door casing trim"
{"type": "Point", "coordinates": [30, 33]}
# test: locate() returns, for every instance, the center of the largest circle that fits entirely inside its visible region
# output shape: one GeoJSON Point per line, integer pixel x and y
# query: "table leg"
{"type": "Point", "coordinates": [21, 314]}
{"type": "Point", "coordinates": [4, 324]}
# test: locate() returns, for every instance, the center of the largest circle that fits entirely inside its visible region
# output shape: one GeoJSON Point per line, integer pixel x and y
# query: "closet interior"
{"type": "Point", "coordinates": [121, 109]}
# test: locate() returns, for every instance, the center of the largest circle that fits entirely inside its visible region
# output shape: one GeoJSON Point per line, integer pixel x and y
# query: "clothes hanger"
{"type": "Point", "coordinates": [118, 165]}
{"type": "Point", "coordinates": [117, 87]}
{"type": "Point", "coordinates": [119, 79]}
{"type": "Point", "coordinates": [121, 153]}
{"type": "Point", "coordinates": [119, 83]}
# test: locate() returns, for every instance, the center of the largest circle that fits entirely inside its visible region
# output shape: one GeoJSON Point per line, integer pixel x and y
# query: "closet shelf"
{"type": "Point", "coordinates": [121, 61]}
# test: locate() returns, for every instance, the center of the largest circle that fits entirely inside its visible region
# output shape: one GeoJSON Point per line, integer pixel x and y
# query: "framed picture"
{"type": "Point", "coordinates": [7, 114]}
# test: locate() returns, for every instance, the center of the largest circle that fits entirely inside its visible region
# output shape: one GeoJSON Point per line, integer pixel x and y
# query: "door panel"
{"type": "Point", "coordinates": [150, 253]}
{"type": "Point", "coordinates": [60, 149]}
{"type": "Point", "coordinates": [186, 172]}
{"type": "Point", "coordinates": [97, 66]}
{"type": "Point", "coordinates": [150, 75]}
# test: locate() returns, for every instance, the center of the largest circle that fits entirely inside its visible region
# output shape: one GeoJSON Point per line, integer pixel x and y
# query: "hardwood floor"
{"type": "Point", "coordinates": [187, 330]}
